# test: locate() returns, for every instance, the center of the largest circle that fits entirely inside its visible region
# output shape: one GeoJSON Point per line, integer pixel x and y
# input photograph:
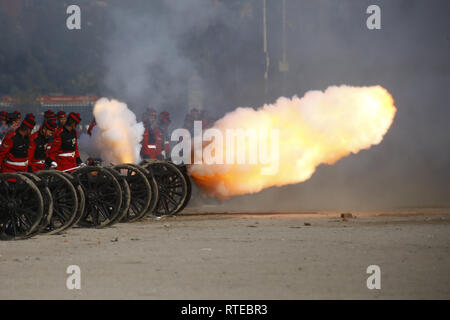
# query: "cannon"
{"type": "Point", "coordinates": [94, 196]}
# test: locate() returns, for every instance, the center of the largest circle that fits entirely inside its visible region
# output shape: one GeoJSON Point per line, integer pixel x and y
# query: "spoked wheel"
{"type": "Point", "coordinates": [80, 196]}
{"type": "Point", "coordinates": [65, 200]}
{"type": "Point", "coordinates": [21, 206]}
{"type": "Point", "coordinates": [141, 192]}
{"type": "Point", "coordinates": [183, 170]}
{"type": "Point", "coordinates": [126, 195]}
{"type": "Point", "coordinates": [46, 197]}
{"type": "Point", "coordinates": [103, 196]}
{"type": "Point", "coordinates": [153, 185]}
{"type": "Point", "coordinates": [172, 187]}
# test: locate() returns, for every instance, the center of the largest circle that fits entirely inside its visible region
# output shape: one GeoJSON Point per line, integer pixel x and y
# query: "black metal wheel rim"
{"type": "Point", "coordinates": [183, 170]}
{"type": "Point", "coordinates": [21, 206]}
{"type": "Point", "coordinates": [65, 200]}
{"type": "Point", "coordinates": [46, 197]}
{"type": "Point", "coordinates": [126, 195]}
{"type": "Point", "coordinates": [80, 196]}
{"type": "Point", "coordinates": [172, 187]}
{"type": "Point", "coordinates": [141, 193]}
{"type": "Point", "coordinates": [103, 196]}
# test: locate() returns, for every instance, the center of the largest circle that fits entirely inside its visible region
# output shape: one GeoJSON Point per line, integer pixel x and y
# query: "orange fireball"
{"type": "Point", "coordinates": [319, 128]}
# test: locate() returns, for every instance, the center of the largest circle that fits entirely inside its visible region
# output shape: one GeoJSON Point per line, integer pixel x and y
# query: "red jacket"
{"type": "Point", "coordinates": [39, 146]}
{"type": "Point", "coordinates": [162, 143]}
{"type": "Point", "coordinates": [148, 150]}
{"type": "Point", "coordinates": [14, 153]}
{"type": "Point", "coordinates": [91, 127]}
{"type": "Point", "coordinates": [64, 149]}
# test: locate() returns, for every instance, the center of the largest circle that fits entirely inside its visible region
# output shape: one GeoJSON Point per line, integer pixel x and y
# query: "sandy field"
{"type": "Point", "coordinates": [312, 255]}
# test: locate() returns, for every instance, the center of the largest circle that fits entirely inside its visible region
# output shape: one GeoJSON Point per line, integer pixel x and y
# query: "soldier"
{"type": "Point", "coordinates": [193, 115]}
{"type": "Point", "coordinates": [61, 115]}
{"type": "Point", "coordinates": [12, 121]}
{"type": "Point", "coordinates": [196, 114]}
{"type": "Point", "coordinates": [39, 142]}
{"type": "Point", "coordinates": [14, 152]}
{"type": "Point", "coordinates": [91, 126]}
{"type": "Point", "coordinates": [3, 126]}
{"type": "Point", "coordinates": [2, 118]}
{"type": "Point", "coordinates": [161, 136]}
{"type": "Point", "coordinates": [189, 123]}
{"type": "Point", "coordinates": [18, 115]}
{"type": "Point", "coordinates": [63, 153]}
{"type": "Point", "coordinates": [148, 150]}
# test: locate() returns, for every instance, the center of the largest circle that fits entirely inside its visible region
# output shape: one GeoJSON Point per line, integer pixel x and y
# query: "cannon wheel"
{"type": "Point", "coordinates": [183, 170]}
{"type": "Point", "coordinates": [172, 187]}
{"type": "Point", "coordinates": [103, 196]}
{"type": "Point", "coordinates": [80, 195]}
{"type": "Point", "coordinates": [46, 197]}
{"type": "Point", "coordinates": [126, 195]}
{"type": "Point", "coordinates": [141, 192]}
{"type": "Point", "coordinates": [153, 188]}
{"type": "Point", "coordinates": [65, 200]}
{"type": "Point", "coordinates": [21, 206]}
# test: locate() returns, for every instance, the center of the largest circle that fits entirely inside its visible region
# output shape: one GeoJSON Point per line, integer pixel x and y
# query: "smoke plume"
{"type": "Point", "coordinates": [320, 128]}
{"type": "Point", "coordinates": [117, 135]}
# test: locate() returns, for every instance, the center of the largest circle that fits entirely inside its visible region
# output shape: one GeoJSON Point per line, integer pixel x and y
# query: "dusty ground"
{"type": "Point", "coordinates": [239, 256]}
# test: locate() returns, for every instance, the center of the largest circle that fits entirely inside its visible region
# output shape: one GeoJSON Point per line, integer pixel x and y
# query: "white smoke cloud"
{"type": "Point", "coordinates": [117, 136]}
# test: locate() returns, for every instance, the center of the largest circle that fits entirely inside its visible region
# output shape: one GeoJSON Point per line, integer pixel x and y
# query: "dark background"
{"type": "Point", "coordinates": [145, 53]}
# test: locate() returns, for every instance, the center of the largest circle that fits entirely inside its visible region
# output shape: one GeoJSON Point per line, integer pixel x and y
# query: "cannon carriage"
{"type": "Point", "coordinates": [95, 196]}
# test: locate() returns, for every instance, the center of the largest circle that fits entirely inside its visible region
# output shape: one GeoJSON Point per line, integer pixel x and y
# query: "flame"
{"type": "Point", "coordinates": [117, 134]}
{"type": "Point", "coordinates": [319, 128]}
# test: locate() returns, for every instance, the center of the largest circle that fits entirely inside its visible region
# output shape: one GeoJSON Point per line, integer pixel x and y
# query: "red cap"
{"type": "Point", "coordinates": [29, 121]}
{"type": "Point", "coordinates": [164, 117]}
{"type": "Point", "coordinates": [49, 114]}
{"type": "Point", "coordinates": [75, 116]}
{"type": "Point", "coordinates": [150, 110]}
{"type": "Point", "coordinates": [50, 124]}
{"type": "Point", "coordinates": [12, 116]}
{"type": "Point", "coordinates": [61, 114]}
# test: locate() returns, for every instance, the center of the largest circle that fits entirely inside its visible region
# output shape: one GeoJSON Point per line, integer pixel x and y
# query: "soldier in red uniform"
{"type": "Point", "coordinates": [38, 144]}
{"type": "Point", "coordinates": [18, 115]}
{"type": "Point", "coordinates": [3, 125]}
{"type": "Point", "coordinates": [63, 153]}
{"type": "Point", "coordinates": [14, 152]}
{"type": "Point", "coordinates": [2, 118]}
{"type": "Point", "coordinates": [162, 137]}
{"type": "Point", "coordinates": [61, 115]}
{"type": "Point", "coordinates": [148, 150]}
{"type": "Point", "coordinates": [12, 121]}
{"type": "Point", "coordinates": [91, 126]}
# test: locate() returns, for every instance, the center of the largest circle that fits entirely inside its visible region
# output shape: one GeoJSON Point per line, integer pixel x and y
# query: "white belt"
{"type": "Point", "coordinates": [17, 164]}
{"type": "Point", "coordinates": [39, 162]}
{"type": "Point", "coordinates": [68, 154]}
{"type": "Point", "coordinates": [151, 146]}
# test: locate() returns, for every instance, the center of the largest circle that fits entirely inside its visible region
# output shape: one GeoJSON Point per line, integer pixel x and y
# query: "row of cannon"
{"type": "Point", "coordinates": [51, 201]}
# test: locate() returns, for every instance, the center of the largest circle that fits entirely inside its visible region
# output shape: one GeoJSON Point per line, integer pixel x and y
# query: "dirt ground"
{"type": "Point", "coordinates": [239, 256]}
